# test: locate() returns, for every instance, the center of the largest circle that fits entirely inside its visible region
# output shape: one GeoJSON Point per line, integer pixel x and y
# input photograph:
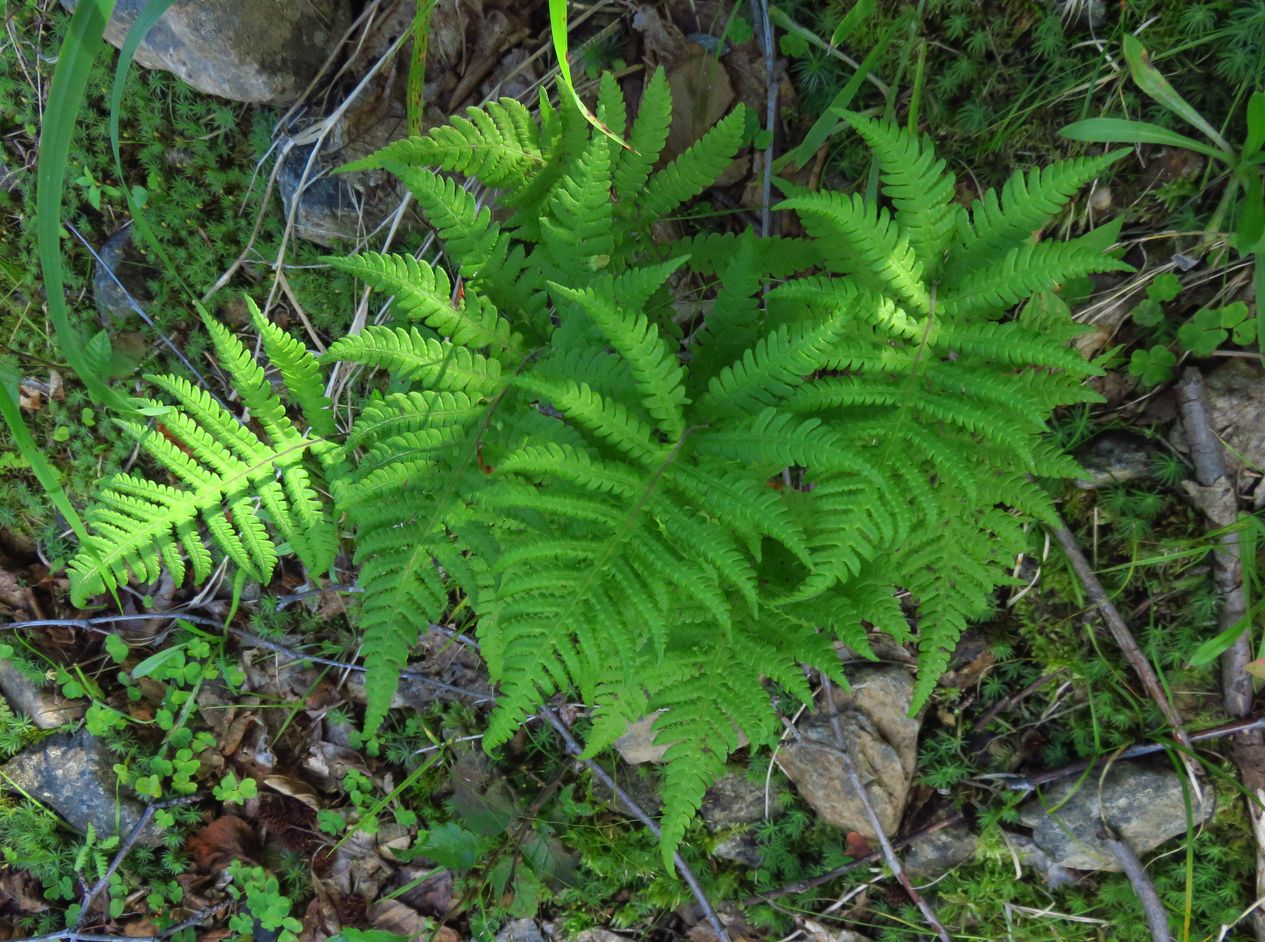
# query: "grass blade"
{"type": "Point", "coordinates": [70, 82]}
{"type": "Point", "coordinates": [1124, 131]}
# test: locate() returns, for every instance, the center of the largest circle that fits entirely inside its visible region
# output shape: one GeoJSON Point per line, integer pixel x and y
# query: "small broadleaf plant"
{"type": "Point", "coordinates": [660, 474]}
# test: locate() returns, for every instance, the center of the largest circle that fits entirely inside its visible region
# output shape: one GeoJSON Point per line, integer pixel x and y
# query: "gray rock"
{"type": "Point", "coordinates": [10, 176]}
{"type": "Point", "coordinates": [732, 805]}
{"type": "Point", "coordinates": [1144, 805]}
{"type": "Point", "coordinates": [45, 708]}
{"type": "Point", "coordinates": [74, 775]}
{"type": "Point", "coordinates": [117, 280]}
{"type": "Point", "coordinates": [598, 935]}
{"type": "Point", "coordinates": [1115, 458]}
{"type": "Point", "coordinates": [521, 930]}
{"type": "Point", "coordinates": [1236, 399]}
{"type": "Point", "coordinates": [334, 209]}
{"type": "Point", "coordinates": [939, 852]}
{"type": "Point", "coordinates": [262, 51]}
{"type": "Point", "coordinates": [883, 737]}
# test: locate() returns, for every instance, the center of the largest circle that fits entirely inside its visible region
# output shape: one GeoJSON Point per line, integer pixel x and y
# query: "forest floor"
{"type": "Point", "coordinates": [188, 770]}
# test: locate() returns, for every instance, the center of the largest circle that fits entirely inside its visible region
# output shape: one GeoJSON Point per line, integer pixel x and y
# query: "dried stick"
{"type": "Point", "coordinates": [637, 812]}
{"type": "Point", "coordinates": [889, 853]}
{"type": "Point", "coordinates": [1119, 630]}
{"type": "Point", "coordinates": [1156, 918]}
{"type": "Point", "coordinates": [1217, 498]}
{"type": "Point", "coordinates": [1216, 495]}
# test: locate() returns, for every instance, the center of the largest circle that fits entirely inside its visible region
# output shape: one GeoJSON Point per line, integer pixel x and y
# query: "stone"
{"type": "Point", "coordinates": [883, 738]}
{"type": "Point", "coordinates": [258, 51]}
{"type": "Point", "coordinates": [74, 775]}
{"type": "Point", "coordinates": [1143, 804]}
{"type": "Point", "coordinates": [521, 930]}
{"type": "Point", "coordinates": [1115, 458]}
{"type": "Point", "coordinates": [1236, 401]}
{"type": "Point", "coordinates": [732, 805]}
{"type": "Point", "coordinates": [45, 708]}
{"type": "Point", "coordinates": [939, 852]}
{"type": "Point", "coordinates": [598, 935]}
{"type": "Point", "coordinates": [117, 279]}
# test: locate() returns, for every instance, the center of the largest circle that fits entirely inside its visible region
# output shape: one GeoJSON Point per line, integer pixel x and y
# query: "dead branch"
{"type": "Point", "coordinates": [1156, 918]}
{"type": "Point", "coordinates": [889, 852]}
{"type": "Point", "coordinates": [1120, 632]}
{"type": "Point", "coordinates": [637, 812]}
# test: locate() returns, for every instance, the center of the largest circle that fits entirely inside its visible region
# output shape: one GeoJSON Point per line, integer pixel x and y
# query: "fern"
{"type": "Point", "coordinates": [648, 511]}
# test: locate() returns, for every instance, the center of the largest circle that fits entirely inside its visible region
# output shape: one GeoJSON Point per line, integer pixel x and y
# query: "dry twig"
{"type": "Point", "coordinates": [1120, 632]}
{"type": "Point", "coordinates": [1156, 918]}
{"type": "Point", "coordinates": [858, 787]}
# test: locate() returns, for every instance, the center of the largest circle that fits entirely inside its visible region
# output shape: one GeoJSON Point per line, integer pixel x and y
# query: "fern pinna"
{"type": "Point", "coordinates": [653, 509]}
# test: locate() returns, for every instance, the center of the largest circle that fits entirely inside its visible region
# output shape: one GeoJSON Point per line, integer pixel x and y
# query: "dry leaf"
{"type": "Point", "coordinates": [220, 843]}
{"type": "Point", "coordinates": [701, 95]}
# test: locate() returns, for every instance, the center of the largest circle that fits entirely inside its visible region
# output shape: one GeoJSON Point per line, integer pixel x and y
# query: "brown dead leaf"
{"type": "Point", "coordinates": [663, 40]}
{"type": "Point", "coordinates": [295, 788]}
{"type": "Point", "coordinates": [221, 842]}
{"type": "Point", "coordinates": [16, 600]}
{"type": "Point", "coordinates": [855, 845]}
{"type": "Point", "coordinates": [701, 96]}
{"type": "Point", "coordinates": [21, 891]}
{"type": "Point", "coordinates": [391, 915]}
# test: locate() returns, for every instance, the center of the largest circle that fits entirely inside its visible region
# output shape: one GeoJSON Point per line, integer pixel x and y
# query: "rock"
{"type": "Point", "coordinates": [259, 51]}
{"type": "Point", "coordinates": [521, 930]}
{"type": "Point", "coordinates": [1115, 458]}
{"type": "Point", "coordinates": [598, 935]}
{"type": "Point", "coordinates": [732, 804]}
{"type": "Point", "coordinates": [334, 209]}
{"type": "Point", "coordinates": [46, 709]}
{"type": "Point", "coordinates": [117, 279]}
{"type": "Point", "coordinates": [74, 775]}
{"type": "Point", "coordinates": [1144, 805]}
{"type": "Point", "coordinates": [1236, 399]}
{"type": "Point", "coordinates": [10, 176]}
{"type": "Point", "coordinates": [874, 717]}
{"type": "Point", "coordinates": [939, 852]}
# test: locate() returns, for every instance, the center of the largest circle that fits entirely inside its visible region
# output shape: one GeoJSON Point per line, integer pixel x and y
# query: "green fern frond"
{"type": "Point", "coordinates": [914, 179]}
{"type": "Point", "coordinates": [863, 240]}
{"type": "Point", "coordinates": [1028, 202]}
{"type": "Point", "coordinates": [498, 144]}
{"type": "Point", "coordinates": [695, 170]}
{"type": "Point", "coordinates": [409, 355]}
{"type": "Point", "coordinates": [424, 294]}
{"type": "Point", "coordinates": [646, 139]}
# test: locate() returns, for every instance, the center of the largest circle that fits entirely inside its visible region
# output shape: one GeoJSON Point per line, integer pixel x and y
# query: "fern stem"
{"type": "Point", "coordinates": [637, 812]}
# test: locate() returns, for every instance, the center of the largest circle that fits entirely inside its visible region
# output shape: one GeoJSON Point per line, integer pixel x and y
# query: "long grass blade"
{"type": "Point", "coordinates": [65, 99]}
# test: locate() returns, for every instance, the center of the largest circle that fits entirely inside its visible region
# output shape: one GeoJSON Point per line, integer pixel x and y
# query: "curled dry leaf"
{"type": "Point", "coordinates": [221, 842]}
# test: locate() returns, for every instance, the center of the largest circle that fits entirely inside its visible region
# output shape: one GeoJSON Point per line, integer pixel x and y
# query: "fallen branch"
{"type": "Point", "coordinates": [1216, 495]}
{"type": "Point", "coordinates": [1156, 918]}
{"type": "Point", "coordinates": [1120, 632]}
{"type": "Point", "coordinates": [637, 812]}
{"type": "Point", "coordinates": [889, 852]}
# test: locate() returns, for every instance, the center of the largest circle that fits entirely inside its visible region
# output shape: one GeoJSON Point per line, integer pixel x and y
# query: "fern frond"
{"type": "Point", "coordinates": [299, 371]}
{"type": "Point", "coordinates": [920, 189]}
{"type": "Point", "coordinates": [1031, 267]}
{"type": "Point", "coordinates": [654, 365]}
{"type": "Point", "coordinates": [861, 239]}
{"type": "Point", "coordinates": [694, 170]}
{"type": "Point", "coordinates": [646, 139]}
{"type": "Point", "coordinates": [1028, 202]}
{"type": "Point", "coordinates": [498, 144]}
{"type": "Point", "coordinates": [424, 294]}
{"type": "Point", "coordinates": [409, 355]}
